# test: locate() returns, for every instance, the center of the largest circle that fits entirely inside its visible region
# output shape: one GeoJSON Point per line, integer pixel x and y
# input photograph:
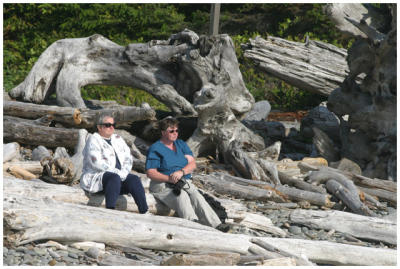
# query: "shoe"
{"type": "Point", "coordinates": [148, 213]}
{"type": "Point", "coordinates": [223, 227]}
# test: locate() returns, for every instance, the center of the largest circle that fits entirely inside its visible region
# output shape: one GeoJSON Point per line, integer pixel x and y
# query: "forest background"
{"type": "Point", "coordinates": [28, 29]}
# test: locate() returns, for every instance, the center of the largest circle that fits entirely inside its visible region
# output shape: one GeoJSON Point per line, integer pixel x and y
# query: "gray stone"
{"type": "Point", "coordinates": [53, 254]}
{"type": "Point", "coordinates": [347, 165]}
{"type": "Point", "coordinates": [20, 249]}
{"type": "Point", "coordinates": [39, 153]}
{"type": "Point", "coordinates": [5, 250]}
{"type": "Point", "coordinates": [73, 255]}
{"type": "Point", "coordinates": [9, 260]}
{"type": "Point", "coordinates": [295, 230]}
{"type": "Point", "coordinates": [40, 251]}
{"type": "Point", "coordinates": [259, 112]}
{"type": "Point", "coordinates": [93, 252]}
{"type": "Point", "coordinates": [304, 229]}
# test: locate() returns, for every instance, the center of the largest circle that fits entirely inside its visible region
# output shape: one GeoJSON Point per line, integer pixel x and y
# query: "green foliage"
{"type": "Point", "coordinates": [28, 29]}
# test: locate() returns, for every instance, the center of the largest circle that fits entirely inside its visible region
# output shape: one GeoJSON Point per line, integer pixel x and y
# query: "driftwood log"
{"type": "Point", "coordinates": [36, 219]}
{"type": "Point", "coordinates": [75, 195]}
{"type": "Point", "coordinates": [358, 226]}
{"type": "Point", "coordinates": [314, 65]}
{"type": "Point", "coordinates": [27, 132]}
{"type": "Point", "coordinates": [34, 167]}
{"type": "Point", "coordinates": [283, 191]}
{"type": "Point", "coordinates": [76, 117]}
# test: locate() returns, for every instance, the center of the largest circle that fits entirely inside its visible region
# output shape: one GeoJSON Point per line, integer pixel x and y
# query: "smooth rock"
{"type": "Point", "coordinates": [93, 252]}
{"type": "Point", "coordinates": [295, 230]}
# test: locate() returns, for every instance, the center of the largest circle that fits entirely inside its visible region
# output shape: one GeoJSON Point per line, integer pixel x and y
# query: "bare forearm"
{"type": "Point", "coordinates": [153, 174]}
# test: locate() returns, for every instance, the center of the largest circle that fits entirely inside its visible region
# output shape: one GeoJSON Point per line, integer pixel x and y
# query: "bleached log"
{"type": "Point", "coordinates": [291, 193]}
{"type": "Point", "coordinates": [370, 228]}
{"type": "Point", "coordinates": [298, 260]}
{"type": "Point", "coordinates": [350, 199]}
{"type": "Point", "coordinates": [236, 190]}
{"type": "Point", "coordinates": [286, 261]}
{"type": "Point", "coordinates": [74, 117]}
{"type": "Point", "coordinates": [36, 219]}
{"type": "Point", "coordinates": [314, 66]}
{"type": "Point", "coordinates": [384, 195]}
{"type": "Point", "coordinates": [300, 184]}
{"type": "Point", "coordinates": [10, 151]}
{"type": "Point", "coordinates": [357, 179]}
{"type": "Point", "coordinates": [329, 253]}
{"type": "Point", "coordinates": [31, 166]}
{"type": "Point", "coordinates": [27, 132]}
{"type": "Point", "coordinates": [75, 195]}
{"type": "Point", "coordinates": [259, 222]}
{"type": "Point", "coordinates": [20, 172]}
{"type": "Point", "coordinates": [64, 115]}
{"type": "Point", "coordinates": [374, 183]}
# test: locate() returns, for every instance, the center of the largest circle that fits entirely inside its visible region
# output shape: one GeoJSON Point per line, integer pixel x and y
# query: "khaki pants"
{"type": "Point", "coordinates": [190, 204]}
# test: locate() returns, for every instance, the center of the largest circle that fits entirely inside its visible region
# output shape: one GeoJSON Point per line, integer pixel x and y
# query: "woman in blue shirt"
{"type": "Point", "coordinates": [168, 160]}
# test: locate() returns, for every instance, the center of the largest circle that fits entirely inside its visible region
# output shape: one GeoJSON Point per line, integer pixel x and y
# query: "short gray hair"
{"type": "Point", "coordinates": [104, 115]}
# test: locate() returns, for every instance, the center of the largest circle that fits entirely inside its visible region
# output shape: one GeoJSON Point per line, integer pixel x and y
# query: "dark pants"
{"type": "Point", "coordinates": [113, 186]}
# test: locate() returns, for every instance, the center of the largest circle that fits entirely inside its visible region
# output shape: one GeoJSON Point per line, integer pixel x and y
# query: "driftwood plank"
{"type": "Point", "coordinates": [371, 228]}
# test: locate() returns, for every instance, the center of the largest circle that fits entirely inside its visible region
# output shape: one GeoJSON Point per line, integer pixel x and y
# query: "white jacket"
{"type": "Point", "coordinates": [99, 157]}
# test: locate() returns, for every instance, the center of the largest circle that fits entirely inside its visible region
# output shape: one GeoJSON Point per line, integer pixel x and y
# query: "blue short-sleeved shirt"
{"type": "Point", "coordinates": [167, 161]}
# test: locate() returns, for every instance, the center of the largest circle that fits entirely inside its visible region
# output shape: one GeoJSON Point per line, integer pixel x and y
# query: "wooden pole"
{"type": "Point", "coordinates": [214, 18]}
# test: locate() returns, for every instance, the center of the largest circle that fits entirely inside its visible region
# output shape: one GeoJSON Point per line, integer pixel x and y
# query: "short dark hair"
{"type": "Point", "coordinates": [167, 122]}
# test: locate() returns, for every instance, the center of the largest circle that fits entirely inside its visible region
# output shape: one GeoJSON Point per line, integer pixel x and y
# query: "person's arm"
{"type": "Point", "coordinates": [187, 169]}
{"type": "Point", "coordinates": [153, 174]}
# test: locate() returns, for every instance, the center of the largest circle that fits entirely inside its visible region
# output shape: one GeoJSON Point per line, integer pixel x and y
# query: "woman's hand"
{"type": "Point", "coordinates": [175, 176]}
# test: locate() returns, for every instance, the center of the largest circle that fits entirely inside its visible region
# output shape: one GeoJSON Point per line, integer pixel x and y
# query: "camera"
{"type": "Point", "coordinates": [177, 187]}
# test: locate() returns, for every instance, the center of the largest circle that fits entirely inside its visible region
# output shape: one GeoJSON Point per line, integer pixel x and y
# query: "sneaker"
{"type": "Point", "coordinates": [148, 213]}
{"type": "Point", "coordinates": [223, 227]}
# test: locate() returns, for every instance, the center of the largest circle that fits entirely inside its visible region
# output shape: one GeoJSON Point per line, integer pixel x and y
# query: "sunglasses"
{"type": "Point", "coordinates": [108, 125]}
{"type": "Point", "coordinates": [173, 131]}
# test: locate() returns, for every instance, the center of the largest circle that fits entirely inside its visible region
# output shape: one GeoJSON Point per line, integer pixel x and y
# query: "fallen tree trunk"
{"type": "Point", "coordinates": [291, 193]}
{"type": "Point", "coordinates": [73, 117]}
{"type": "Point", "coordinates": [38, 219]}
{"type": "Point", "coordinates": [357, 179]}
{"type": "Point", "coordinates": [75, 195]}
{"type": "Point", "coordinates": [314, 65]}
{"type": "Point", "coordinates": [328, 253]}
{"type": "Point", "coordinates": [350, 199]}
{"type": "Point", "coordinates": [384, 195]}
{"type": "Point", "coordinates": [31, 166]}
{"type": "Point", "coordinates": [371, 228]}
{"type": "Point", "coordinates": [26, 132]}
{"type": "Point", "coordinates": [236, 190]}
{"type": "Point", "coordinates": [41, 219]}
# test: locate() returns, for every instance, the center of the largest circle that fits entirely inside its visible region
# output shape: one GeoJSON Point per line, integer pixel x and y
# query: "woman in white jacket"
{"type": "Point", "coordinates": [107, 164]}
